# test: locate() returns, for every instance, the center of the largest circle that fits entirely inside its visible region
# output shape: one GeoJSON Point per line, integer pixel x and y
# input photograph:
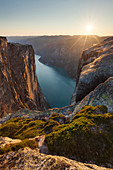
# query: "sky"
{"type": "Point", "coordinates": [56, 17]}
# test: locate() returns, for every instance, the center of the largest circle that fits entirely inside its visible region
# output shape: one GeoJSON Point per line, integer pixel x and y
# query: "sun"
{"type": "Point", "coordinates": [89, 29]}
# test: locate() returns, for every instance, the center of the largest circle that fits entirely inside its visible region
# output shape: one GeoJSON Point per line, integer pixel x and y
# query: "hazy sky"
{"type": "Point", "coordinates": [43, 17]}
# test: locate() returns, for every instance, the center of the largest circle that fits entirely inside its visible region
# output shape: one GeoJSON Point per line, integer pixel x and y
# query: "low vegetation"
{"type": "Point", "coordinates": [28, 128]}
{"type": "Point", "coordinates": [87, 137]}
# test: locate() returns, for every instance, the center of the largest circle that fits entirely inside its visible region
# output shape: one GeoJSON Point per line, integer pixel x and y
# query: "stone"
{"type": "Point", "coordinates": [30, 159]}
{"type": "Point", "coordinates": [101, 95]}
{"type": "Point", "coordinates": [19, 87]}
{"type": "Point", "coordinates": [95, 67]}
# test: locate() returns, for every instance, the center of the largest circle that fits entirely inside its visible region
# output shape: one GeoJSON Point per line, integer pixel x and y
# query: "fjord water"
{"type": "Point", "coordinates": [56, 85]}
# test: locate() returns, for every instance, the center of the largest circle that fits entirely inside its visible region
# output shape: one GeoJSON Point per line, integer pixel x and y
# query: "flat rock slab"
{"type": "Point", "coordinates": [31, 159]}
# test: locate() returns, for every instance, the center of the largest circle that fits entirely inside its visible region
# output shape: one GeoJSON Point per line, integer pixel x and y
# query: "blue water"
{"type": "Point", "coordinates": [56, 85]}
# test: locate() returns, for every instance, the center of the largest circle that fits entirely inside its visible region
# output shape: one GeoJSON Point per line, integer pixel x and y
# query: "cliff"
{"type": "Point", "coordinates": [95, 67]}
{"type": "Point", "coordinates": [60, 51]}
{"type": "Point", "coordinates": [19, 87]}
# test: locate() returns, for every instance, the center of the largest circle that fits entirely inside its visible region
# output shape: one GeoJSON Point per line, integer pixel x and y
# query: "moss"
{"type": "Point", "coordinates": [59, 118]}
{"type": "Point", "coordinates": [26, 128]}
{"type": "Point", "coordinates": [101, 108]}
{"type": "Point", "coordinates": [88, 137]}
{"type": "Point", "coordinates": [21, 128]}
{"type": "Point", "coordinates": [56, 115]}
{"type": "Point", "coordinates": [88, 111]}
{"type": "Point", "coordinates": [49, 125]}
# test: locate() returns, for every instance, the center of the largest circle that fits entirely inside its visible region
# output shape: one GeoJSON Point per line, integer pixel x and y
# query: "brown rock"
{"type": "Point", "coordinates": [31, 159]}
{"type": "Point", "coordinates": [19, 87]}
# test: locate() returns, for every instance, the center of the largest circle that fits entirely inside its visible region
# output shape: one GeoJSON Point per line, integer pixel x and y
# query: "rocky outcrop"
{"type": "Point", "coordinates": [60, 51]}
{"type": "Point", "coordinates": [18, 81]}
{"type": "Point", "coordinates": [95, 67]}
{"type": "Point", "coordinates": [31, 159]}
{"type": "Point", "coordinates": [39, 115]}
{"type": "Point", "coordinates": [41, 146]}
{"type": "Point", "coordinates": [101, 95]}
{"type": "Point", "coordinates": [7, 141]}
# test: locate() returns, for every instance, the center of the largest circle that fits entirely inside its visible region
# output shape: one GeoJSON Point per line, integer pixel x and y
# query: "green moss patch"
{"type": "Point", "coordinates": [88, 137]}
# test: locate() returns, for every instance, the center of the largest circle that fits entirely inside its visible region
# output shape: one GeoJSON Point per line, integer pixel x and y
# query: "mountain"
{"type": "Point", "coordinates": [95, 76]}
{"type": "Point", "coordinates": [19, 87]}
{"type": "Point", "coordinates": [60, 51]}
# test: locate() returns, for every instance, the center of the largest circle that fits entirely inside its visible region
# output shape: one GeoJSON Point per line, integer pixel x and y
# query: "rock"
{"type": "Point", "coordinates": [101, 95]}
{"type": "Point", "coordinates": [30, 159]}
{"type": "Point", "coordinates": [19, 87]}
{"type": "Point", "coordinates": [39, 115]}
{"type": "Point", "coordinates": [95, 67]}
{"type": "Point", "coordinates": [6, 141]}
{"type": "Point", "coordinates": [41, 145]}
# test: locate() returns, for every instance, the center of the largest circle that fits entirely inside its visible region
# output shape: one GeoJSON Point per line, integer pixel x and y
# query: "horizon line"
{"type": "Point", "coordinates": [55, 35]}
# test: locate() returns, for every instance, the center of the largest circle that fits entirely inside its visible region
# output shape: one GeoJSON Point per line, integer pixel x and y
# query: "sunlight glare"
{"type": "Point", "coordinates": [89, 28]}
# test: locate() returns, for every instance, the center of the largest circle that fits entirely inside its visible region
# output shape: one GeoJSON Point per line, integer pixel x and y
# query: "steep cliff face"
{"type": "Point", "coordinates": [60, 51]}
{"type": "Point", "coordinates": [95, 67]}
{"type": "Point", "coordinates": [18, 82]}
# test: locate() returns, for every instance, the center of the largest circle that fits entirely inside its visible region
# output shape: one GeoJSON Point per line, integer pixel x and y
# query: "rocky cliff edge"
{"type": "Point", "coordinates": [95, 67]}
{"type": "Point", "coordinates": [19, 87]}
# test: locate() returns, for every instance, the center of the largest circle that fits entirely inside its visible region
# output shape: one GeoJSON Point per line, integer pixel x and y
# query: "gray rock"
{"type": "Point", "coordinates": [95, 67]}
{"type": "Point", "coordinates": [102, 95]}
